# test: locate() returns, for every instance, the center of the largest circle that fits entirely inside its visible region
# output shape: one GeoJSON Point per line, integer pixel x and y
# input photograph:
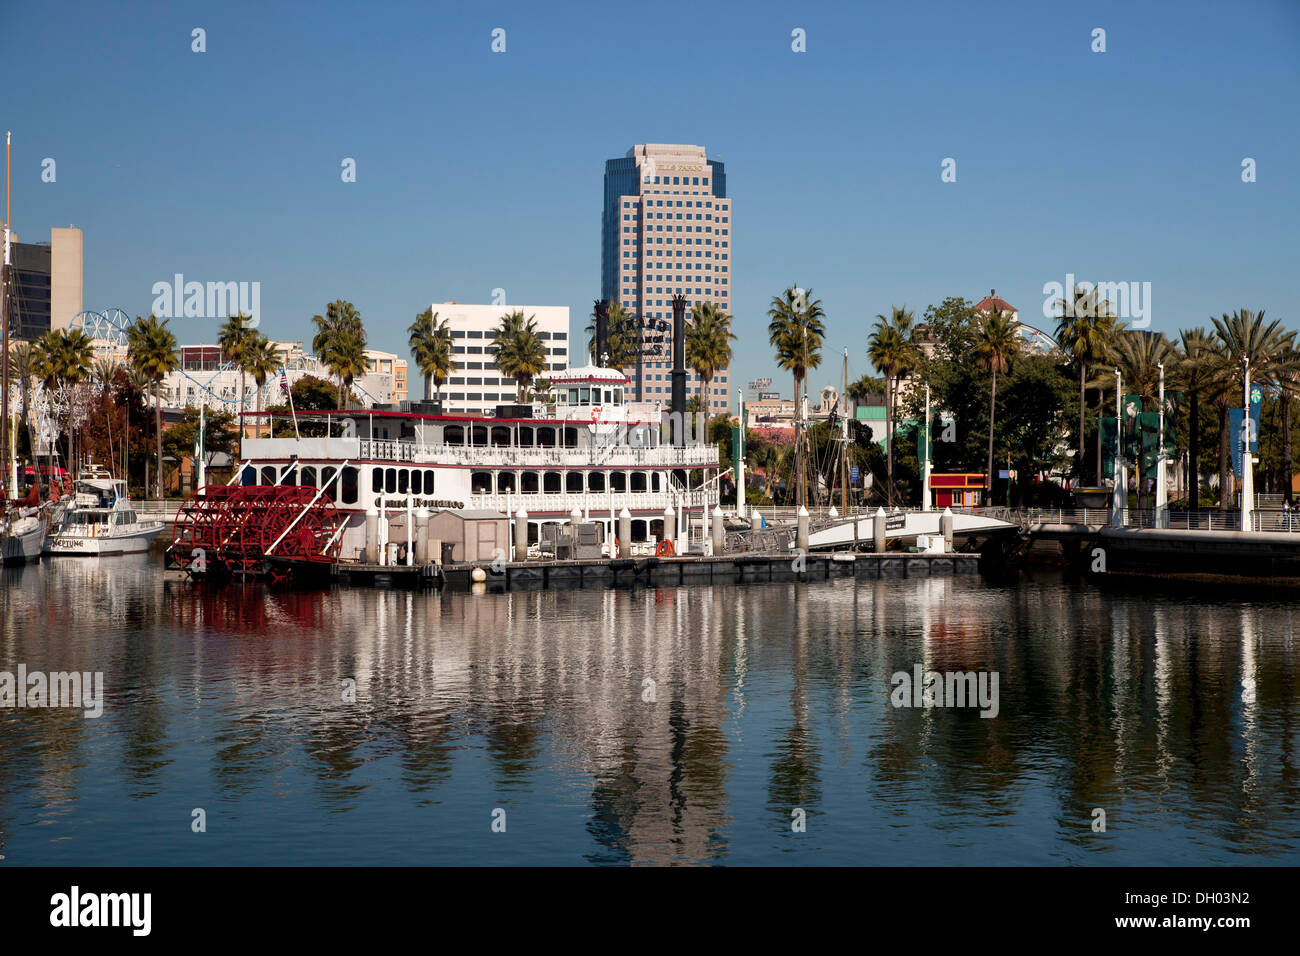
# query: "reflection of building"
{"type": "Point", "coordinates": [46, 283]}
{"type": "Point", "coordinates": [666, 230]}
{"type": "Point", "coordinates": [477, 383]}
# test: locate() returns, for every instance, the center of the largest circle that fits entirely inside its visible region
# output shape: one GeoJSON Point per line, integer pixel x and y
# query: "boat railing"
{"type": "Point", "coordinates": [667, 456]}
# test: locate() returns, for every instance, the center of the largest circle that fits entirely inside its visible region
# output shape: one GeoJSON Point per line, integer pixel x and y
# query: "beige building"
{"type": "Point", "coordinates": [387, 363]}
{"type": "Point", "coordinates": [666, 231]}
{"type": "Point", "coordinates": [66, 275]}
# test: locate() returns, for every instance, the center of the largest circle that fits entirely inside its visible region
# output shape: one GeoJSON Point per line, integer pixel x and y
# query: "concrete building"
{"type": "Point", "coordinates": [666, 229]}
{"type": "Point", "coordinates": [47, 283]}
{"type": "Point", "coordinates": [387, 363]}
{"type": "Point", "coordinates": [477, 384]}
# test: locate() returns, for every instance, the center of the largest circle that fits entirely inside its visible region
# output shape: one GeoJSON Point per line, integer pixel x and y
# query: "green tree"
{"type": "Point", "coordinates": [520, 351]}
{"type": "Point", "coordinates": [795, 330]}
{"type": "Point", "coordinates": [431, 348]}
{"type": "Point", "coordinates": [624, 338]}
{"type": "Point", "coordinates": [708, 345]}
{"type": "Point", "coordinates": [892, 349]}
{"type": "Point", "coordinates": [151, 347]}
{"type": "Point", "coordinates": [1245, 338]}
{"type": "Point", "coordinates": [1086, 331]}
{"type": "Point", "coordinates": [1197, 369]}
{"type": "Point", "coordinates": [234, 337]}
{"type": "Point", "coordinates": [340, 345]}
{"type": "Point", "coordinates": [996, 344]}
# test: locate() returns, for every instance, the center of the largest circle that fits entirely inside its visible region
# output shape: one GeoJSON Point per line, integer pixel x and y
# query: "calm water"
{"type": "Point", "coordinates": [766, 698]}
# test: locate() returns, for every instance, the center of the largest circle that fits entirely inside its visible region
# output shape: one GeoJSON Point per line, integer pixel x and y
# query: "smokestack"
{"type": "Point", "coordinates": [679, 369]}
{"type": "Point", "coordinates": [602, 331]}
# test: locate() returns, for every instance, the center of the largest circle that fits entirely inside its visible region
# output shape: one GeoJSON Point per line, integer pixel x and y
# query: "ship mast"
{"type": "Point", "coordinates": [11, 471]}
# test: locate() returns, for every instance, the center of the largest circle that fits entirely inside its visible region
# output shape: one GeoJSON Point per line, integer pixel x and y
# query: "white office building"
{"type": "Point", "coordinates": [477, 384]}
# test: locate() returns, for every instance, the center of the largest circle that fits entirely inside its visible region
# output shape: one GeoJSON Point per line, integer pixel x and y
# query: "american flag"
{"type": "Point", "coordinates": [284, 382]}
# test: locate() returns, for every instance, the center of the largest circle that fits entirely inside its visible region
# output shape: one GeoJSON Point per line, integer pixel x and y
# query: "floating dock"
{"type": "Point", "coordinates": [657, 572]}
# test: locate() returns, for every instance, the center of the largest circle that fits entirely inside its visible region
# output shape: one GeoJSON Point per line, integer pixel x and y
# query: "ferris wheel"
{"type": "Point", "coordinates": [108, 327]}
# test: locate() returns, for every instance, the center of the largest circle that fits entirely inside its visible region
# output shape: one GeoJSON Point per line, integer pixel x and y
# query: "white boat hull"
{"type": "Point", "coordinates": [22, 545]}
{"type": "Point", "coordinates": [72, 544]}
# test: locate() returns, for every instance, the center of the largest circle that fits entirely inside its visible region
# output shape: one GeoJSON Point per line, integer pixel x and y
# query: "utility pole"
{"type": "Point", "coordinates": [1119, 494]}
{"type": "Point", "coordinates": [925, 455]}
{"type": "Point", "coordinates": [1247, 463]}
{"type": "Point", "coordinates": [1162, 494]}
{"type": "Point", "coordinates": [844, 438]}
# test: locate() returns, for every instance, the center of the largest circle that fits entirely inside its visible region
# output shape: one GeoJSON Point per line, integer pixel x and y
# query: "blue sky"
{"type": "Point", "coordinates": [479, 170]}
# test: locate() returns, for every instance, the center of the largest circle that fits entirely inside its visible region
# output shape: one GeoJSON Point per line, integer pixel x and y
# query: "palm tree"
{"type": "Point", "coordinates": [1245, 338]}
{"type": "Point", "coordinates": [1287, 377]}
{"type": "Point", "coordinates": [996, 343]}
{"type": "Point", "coordinates": [519, 350]}
{"type": "Point", "coordinates": [708, 345]}
{"type": "Point", "coordinates": [1198, 367]}
{"type": "Point", "coordinates": [340, 344]}
{"type": "Point", "coordinates": [795, 330]}
{"type": "Point", "coordinates": [103, 371]}
{"type": "Point", "coordinates": [892, 350]}
{"type": "Point", "coordinates": [430, 342]}
{"type": "Point", "coordinates": [623, 338]}
{"type": "Point", "coordinates": [62, 360]}
{"type": "Point", "coordinates": [1140, 353]}
{"type": "Point", "coordinates": [151, 347]}
{"type": "Point", "coordinates": [1086, 331]}
{"type": "Point", "coordinates": [260, 359]}
{"type": "Point", "coordinates": [233, 337]}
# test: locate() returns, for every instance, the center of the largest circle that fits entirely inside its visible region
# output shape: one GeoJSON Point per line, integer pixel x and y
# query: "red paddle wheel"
{"type": "Point", "coordinates": [224, 530]}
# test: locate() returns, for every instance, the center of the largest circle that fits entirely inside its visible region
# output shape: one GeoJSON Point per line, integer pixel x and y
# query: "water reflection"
{"type": "Point", "coordinates": [653, 726]}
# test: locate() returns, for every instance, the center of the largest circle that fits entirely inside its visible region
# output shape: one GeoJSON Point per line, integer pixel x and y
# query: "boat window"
{"type": "Point", "coordinates": [390, 480]}
{"type": "Point", "coordinates": [570, 438]}
{"type": "Point", "coordinates": [654, 481]}
{"type": "Point", "coordinates": [573, 482]}
{"type": "Point", "coordinates": [551, 482]}
{"type": "Point", "coordinates": [480, 482]}
{"type": "Point", "coordinates": [609, 396]}
{"type": "Point", "coordinates": [349, 481]}
{"type": "Point", "coordinates": [478, 435]}
{"type": "Point", "coordinates": [268, 476]}
{"type": "Point", "coordinates": [403, 481]}
{"type": "Point", "coordinates": [308, 477]}
{"type": "Point", "coordinates": [453, 435]}
{"type": "Point", "coordinates": [505, 482]}
{"type": "Point", "coordinates": [428, 481]}
{"type": "Point", "coordinates": [618, 481]}
{"type": "Point", "coordinates": [326, 477]}
{"type": "Point", "coordinates": [417, 482]}
{"type": "Point", "coordinates": [596, 481]}
{"type": "Point", "coordinates": [525, 437]}
{"type": "Point", "coordinates": [529, 483]}
{"type": "Point", "coordinates": [638, 481]}
{"type": "Point", "coordinates": [573, 396]}
{"type": "Point", "coordinates": [584, 396]}
{"type": "Point", "coordinates": [377, 480]}
{"type": "Point", "coordinates": [501, 435]}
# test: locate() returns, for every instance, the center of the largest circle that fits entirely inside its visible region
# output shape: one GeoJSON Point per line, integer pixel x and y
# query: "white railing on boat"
{"type": "Point", "coordinates": [596, 504]}
{"type": "Point", "coordinates": [502, 456]}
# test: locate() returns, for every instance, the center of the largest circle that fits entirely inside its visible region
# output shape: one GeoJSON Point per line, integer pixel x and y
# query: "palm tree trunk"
{"type": "Point", "coordinates": [1083, 377]}
{"type": "Point", "coordinates": [798, 441]}
{"type": "Point", "coordinates": [428, 386]}
{"type": "Point", "coordinates": [993, 397]}
{"type": "Point", "coordinates": [1224, 503]}
{"type": "Point", "coordinates": [157, 428]}
{"type": "Point", "coordinates": [889, 441]}
{"type": "Point", "coordinates": [1287, 465]}
{"type": "Point", "coordinates": [1194, 453]}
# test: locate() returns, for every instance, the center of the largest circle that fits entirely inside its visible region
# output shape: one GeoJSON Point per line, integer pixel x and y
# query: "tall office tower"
{"type": "Point", "coordinates": [666, 231]}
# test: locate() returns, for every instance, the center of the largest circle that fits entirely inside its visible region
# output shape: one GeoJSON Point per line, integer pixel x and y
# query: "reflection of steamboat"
{"type": "Point", "coordinates": [589, 449]}
{"type": "Point", "coordinates": [101, 520]}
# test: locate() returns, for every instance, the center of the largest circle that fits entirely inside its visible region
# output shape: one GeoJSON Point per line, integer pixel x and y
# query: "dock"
{"type": "Point", "coordinates": [657, 572]}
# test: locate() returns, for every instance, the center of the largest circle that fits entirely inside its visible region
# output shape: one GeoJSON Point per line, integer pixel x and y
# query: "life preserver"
{"type": "Point", "coordinates": [665, 549]}
{"type": "Point", "coordinates": [595, 413]}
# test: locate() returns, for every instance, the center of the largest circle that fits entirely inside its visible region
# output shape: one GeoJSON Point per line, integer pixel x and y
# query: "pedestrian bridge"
{"type": "Point", "coordinates": [849, 532]}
